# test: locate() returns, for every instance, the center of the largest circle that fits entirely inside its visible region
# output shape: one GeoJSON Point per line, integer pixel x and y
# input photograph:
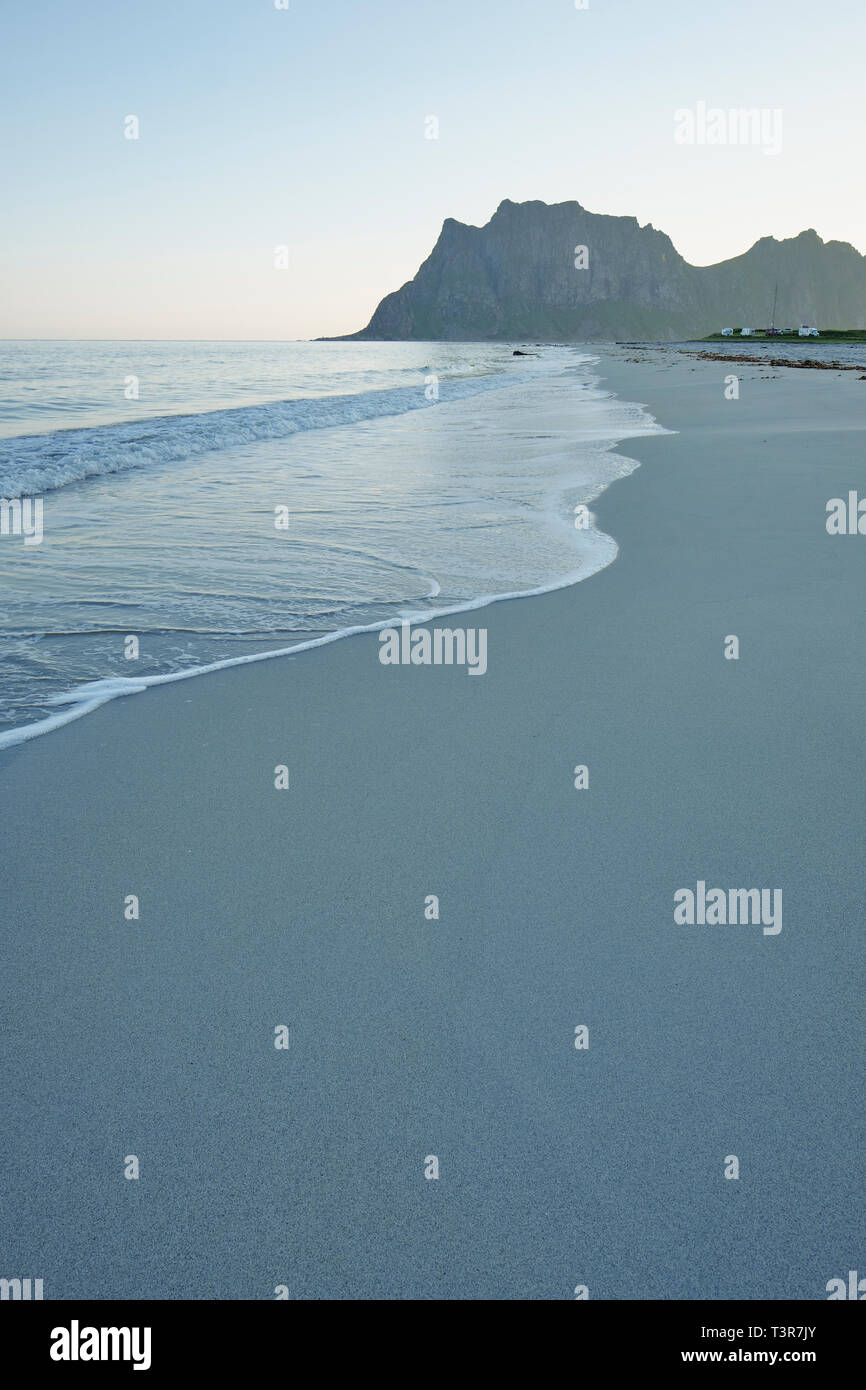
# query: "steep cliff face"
{"type": "Point", "coordinates": [517, 278]}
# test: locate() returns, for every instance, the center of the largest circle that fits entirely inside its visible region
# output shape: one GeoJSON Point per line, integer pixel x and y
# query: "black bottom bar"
{"type": "Point", "coordinates": [203, 1338]}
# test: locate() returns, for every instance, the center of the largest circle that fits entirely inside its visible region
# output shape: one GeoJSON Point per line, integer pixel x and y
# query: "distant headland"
{"type": "Point", "coordinates": [558, 272]}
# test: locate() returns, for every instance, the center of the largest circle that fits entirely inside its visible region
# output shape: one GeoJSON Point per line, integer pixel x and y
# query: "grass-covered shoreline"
{"type": "Point", "coordinates": [827, 335]}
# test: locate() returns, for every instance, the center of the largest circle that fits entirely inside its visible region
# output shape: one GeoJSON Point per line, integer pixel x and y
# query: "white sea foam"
{"type": "Point", "coordinates": [39, 463]}
{"type": "Point", "coordinates": [90, 696]}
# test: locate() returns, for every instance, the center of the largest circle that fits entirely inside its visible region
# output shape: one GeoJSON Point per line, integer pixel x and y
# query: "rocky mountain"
{"type": "Point", "coordinates": [525, 276]}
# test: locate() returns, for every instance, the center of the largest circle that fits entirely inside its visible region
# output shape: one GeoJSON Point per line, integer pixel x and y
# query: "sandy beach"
{"type": "Point", "coordinates": [602, 1167]}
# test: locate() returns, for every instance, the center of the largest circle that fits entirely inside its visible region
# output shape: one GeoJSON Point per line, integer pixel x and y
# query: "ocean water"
{"type": "Point", "coordinates": [416, 479]}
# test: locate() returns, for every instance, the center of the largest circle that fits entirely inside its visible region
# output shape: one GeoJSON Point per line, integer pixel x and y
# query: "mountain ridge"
{"type": "Point", "coordinates": [517, 277]}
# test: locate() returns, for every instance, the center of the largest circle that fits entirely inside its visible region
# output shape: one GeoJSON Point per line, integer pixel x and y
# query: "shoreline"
{"type": "Point", "coordinates": [454, 1036]}
{"type": "Point", "coordinates": [90, 696]}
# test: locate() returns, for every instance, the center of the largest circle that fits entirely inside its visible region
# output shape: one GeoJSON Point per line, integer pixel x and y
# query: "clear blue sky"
{"type": "Point", "coordinates": [306, 127]}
